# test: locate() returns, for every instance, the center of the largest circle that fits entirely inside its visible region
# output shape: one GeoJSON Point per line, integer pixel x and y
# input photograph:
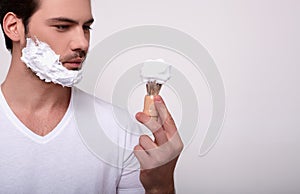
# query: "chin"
{"type": "Point", "coordinates": [73, 67]}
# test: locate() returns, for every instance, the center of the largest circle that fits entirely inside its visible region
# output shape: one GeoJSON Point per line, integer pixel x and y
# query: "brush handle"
{"type": "Point", "coordinates": [149, 107]}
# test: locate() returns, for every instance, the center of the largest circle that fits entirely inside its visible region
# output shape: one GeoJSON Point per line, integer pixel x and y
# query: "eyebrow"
{"type": "Point", "coordinates": [68, 20]}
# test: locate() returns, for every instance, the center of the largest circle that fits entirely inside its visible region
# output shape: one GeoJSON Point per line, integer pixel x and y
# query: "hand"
{"type": "Point", "coordinates": [158, 158]}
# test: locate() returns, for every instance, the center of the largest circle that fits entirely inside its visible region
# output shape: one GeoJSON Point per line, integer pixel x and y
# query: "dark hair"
{"type": "Point", "coordinates": [23, 9]}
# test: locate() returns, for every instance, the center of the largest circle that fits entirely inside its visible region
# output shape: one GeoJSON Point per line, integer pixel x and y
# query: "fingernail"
{"type": "Point", "coordinates": [158, 98]}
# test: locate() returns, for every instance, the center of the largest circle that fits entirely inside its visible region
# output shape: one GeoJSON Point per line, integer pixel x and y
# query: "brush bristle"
{"type": "Point", "coordinates": [153, 88]}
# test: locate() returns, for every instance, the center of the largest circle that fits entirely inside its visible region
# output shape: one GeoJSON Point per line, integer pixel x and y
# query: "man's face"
{"type": "Point", "coordinates": [65, 26]}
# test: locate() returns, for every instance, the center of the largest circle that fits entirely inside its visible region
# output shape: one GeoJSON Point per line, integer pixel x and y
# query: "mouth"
{"type": "Point", "coordinates": [73, 64]}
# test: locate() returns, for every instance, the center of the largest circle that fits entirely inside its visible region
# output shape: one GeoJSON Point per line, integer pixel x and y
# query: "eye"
{"type": "Point", "coordinates": [87, 28]}
{"type": "Point", "coordinates": [62, 27]}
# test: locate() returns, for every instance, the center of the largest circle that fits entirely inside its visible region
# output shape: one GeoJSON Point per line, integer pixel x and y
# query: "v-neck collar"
{"type": "Point", "coordinates": [30, 134]}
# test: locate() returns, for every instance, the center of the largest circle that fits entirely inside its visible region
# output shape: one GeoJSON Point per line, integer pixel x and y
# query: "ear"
{"type": "Point", "coordinates": [13, 27]}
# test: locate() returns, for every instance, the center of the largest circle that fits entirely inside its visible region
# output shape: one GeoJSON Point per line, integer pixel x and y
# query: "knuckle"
{"type": "Point", "coordinates": [169, 120]}
{"type": "Point", "coordinates": [177, 146]}
{"type": "Point", "coordinates": [180, 147]}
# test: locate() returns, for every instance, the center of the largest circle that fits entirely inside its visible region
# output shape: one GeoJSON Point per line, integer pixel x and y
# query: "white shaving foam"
{"type": "Point", "coordinates": [156, 70]}
{"type": "Point", "coordinates": [44, 62]}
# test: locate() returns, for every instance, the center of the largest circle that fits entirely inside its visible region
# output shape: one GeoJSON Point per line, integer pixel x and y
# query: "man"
{"type": "Point", "coordinates": [40, 148]}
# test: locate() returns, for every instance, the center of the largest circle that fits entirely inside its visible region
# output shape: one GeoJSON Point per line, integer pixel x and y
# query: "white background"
{"type": "Point", "coordinates": [255, 44]}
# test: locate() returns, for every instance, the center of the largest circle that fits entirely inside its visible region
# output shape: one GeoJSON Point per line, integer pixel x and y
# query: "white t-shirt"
{"type": "Point", "coordinates": [65, 161]}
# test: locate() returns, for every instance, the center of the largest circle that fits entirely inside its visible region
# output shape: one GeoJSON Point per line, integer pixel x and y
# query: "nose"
{"type": "Point", "coordinates": [80, 41]}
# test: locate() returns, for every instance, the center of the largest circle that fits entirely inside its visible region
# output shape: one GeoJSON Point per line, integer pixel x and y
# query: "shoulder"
{"type": "Point", "coordinates": [90, 104]}
{"type": "Point", "coordinates": [116, 123]}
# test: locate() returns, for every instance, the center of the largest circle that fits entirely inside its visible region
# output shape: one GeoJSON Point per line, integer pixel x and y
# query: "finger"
{"type": "Point", "coordinates": [165, 116]}
{"type": "Point", "coordinates": [160, 136]}
{"type": "Point", "coordinates": [142, 156]}
{"type": "Point", "coordinates": [146, 143]}
{"type": "Point", "coordinates": [155, 127]}
{"type": "Point", "coordinates": [150, 122]}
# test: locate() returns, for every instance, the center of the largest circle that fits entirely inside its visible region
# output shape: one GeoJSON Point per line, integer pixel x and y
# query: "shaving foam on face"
{"type": "Point", "coordinates": [44, 62]}
{"type": "Point", "coordinates": [156, 70]}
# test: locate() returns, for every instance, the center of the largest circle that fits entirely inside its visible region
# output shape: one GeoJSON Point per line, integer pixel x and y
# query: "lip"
{"type": "Point", "coordinates": [74, 61]}
{"type": "Point", "coordinates": [73, 64]}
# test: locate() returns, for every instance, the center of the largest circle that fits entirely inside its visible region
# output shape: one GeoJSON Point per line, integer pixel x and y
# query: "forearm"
{"type": "Point", "coordinates": [167, 187]}
{"type": "Point", "coordinates": [169, 190]}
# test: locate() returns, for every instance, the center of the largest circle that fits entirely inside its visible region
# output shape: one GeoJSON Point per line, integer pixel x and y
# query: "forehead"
{"type": "Point", "coordinates": [76, 9]}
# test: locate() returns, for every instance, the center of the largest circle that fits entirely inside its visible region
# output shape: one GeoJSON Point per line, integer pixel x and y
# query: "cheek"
{"type": "Point", "coordinates": [59, 44]}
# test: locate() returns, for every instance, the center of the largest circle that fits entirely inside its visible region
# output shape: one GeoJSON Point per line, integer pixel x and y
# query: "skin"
{"type": "Point", "coordinates": [158, 158]}
{"type": "Point", "coordinates": [67, 31]}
